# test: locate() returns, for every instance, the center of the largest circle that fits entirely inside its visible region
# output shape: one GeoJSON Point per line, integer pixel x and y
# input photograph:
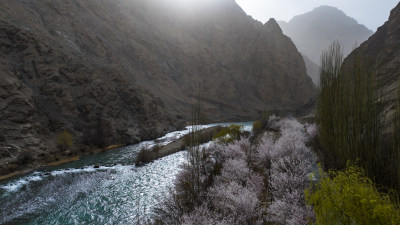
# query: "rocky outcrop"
{"type": "Point", "coordinates": [313, 70]}
{"type": "Point", "coordinates": [314, 31]}
{"type": "Point", "coordinates": [117, 72]}
{"type": "Point", "coordinates": [383, 48]}
{"type": "Point", "coordinates": [45, 91]}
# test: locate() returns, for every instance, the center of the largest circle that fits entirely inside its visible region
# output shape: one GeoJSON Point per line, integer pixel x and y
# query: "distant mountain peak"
{"type": "Point", "coordinates": [273, 26]}
{"type": "Point", "coordinates": [313, 32]}
{"type": "Point", "coordinates": [118, 72]}
{"type": "Point", "coordinates": [326, 7]}
{"type": "Point", "coordinates": [324, 14]}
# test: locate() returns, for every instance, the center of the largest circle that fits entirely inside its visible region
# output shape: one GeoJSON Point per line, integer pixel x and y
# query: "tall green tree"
{"type": "Point", "coordinates": [348, 111]}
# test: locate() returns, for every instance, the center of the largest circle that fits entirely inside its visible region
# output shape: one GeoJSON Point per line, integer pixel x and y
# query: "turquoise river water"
{"type": "Point", "coordinates": [117, 192]}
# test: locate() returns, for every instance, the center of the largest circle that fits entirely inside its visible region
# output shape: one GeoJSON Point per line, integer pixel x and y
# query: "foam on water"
{"type": "Point", "coordinates": [16, 185]}
{"type": "Point", "coordinates": [39, 176]}
{"type": "Point", "coordinates": [78, 193]}
{"type": "Point", "coordinates": [173, 136]}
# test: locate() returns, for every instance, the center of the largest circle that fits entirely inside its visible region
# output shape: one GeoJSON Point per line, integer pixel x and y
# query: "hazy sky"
{"type": "Point", "coordinates": [371, 13]}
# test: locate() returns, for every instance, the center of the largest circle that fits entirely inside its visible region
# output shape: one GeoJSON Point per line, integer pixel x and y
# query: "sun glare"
{"type": "Point", "coordinates": [185, 2]}
{"type": "Point", "coordinates": [189, 3]}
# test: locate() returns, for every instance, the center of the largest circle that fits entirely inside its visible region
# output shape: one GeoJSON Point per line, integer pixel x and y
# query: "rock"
{"type": "Point", "coordinates": [312, 70]}
{"type": "Point", "coordinates": [119, 72]}
{"type": "Point", "coordinates": [314, 31]}
{"type": "Point", "coordinates": [383, 48]}
{"type": "Point", "coordinates": [96, 166]}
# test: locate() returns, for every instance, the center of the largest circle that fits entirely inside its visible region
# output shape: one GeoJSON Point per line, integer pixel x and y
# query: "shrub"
{"type": "Point", "coordinates": [148, 155]}
{"type": "Point", "coordinates": [261, 124]}
{"type": "Point", "coordinates": [204, 216]}
{"type": "Point", "coordinates": [234, 200]}
{"type": "Point", "coordinates": [286, 124]}
{"type": "Point", "coordinates": [255, 183]}
{"type": "Point", "coordinates": [218, 185]}
{"type": "Point", "coordinates": [215, 187]}
{"type": "Point", "coordinates": [290, 210]}
{"type": "Point", "coordinates": [290, 142]}
{"type": "Point", "coordinates": [289, 162]}
{"type": "Point", "coordinates": [257, 128]}
{"type": "Point", "coordinates": [202, 136]}
{"type": "Point", "coordinates": [348, 197]}
{"type": "Point", "coordinates": [289, 174]}
{"type": "Point", "coordinates": [311, 130]}
{"type": "Point", "coordinates": [262, 155]}
{"type": "Point", "coordinates": [229, 134]}
{"type": "Point", "coordinates": [234, 170]}
{"type": "Point", "coordinates": [220, 152]}
{"type": "Point", "coordinates": [264, 119]}
{"type": "Point", "coordinates": [169, 211]}
{"type": "Point", "coordinates": [312, 136]}
{"type": "Point", "coordinates": [65, 140]}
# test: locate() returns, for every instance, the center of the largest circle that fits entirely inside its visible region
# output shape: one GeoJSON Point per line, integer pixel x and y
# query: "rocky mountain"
{"type": "Point", "coordinates": [383, 48]}
{"type": "Point", "coordinates": [314, 31]}
{"type": "Point", "coordinates": [117, 72]}
{"type": "Point", "coordinates": [312, 69]}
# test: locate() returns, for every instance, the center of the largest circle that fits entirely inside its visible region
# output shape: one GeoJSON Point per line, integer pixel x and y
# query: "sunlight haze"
{"type": "Point", "coordinates": [371, 13]}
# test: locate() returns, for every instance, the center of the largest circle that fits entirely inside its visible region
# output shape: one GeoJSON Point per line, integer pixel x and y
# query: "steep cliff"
{"type": "Point", "coordinates": [116, 72]}
{"type": "Point", "coordinates": [312, 70]}
{"type": "Point", "coordinates": [45, 91]}
{"type": "Point", "coordinates": [383, 48]}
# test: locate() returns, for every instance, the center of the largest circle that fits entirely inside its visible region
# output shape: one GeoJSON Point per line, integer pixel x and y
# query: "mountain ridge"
{"type": "Point", "coordinates": [118, 72]}
{"type": "Point", "coordinates": [314, 31]}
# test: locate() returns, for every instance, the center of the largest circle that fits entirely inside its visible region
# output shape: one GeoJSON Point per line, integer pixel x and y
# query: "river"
{"type": "Point", "coordinates": [117, 192]}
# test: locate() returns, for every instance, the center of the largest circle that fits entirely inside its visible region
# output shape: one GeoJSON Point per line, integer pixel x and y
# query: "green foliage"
{"type": "Point", "coordinates": [348, 113]}
{"type": "Point", "coordinates": [229, 134]}
{"type": "Point", "coordinates": [348, 197]}
{"type": "Point", "coordinates": [65, 140]}
{"type": "Point", "coordinates": [264, 119]}
{"type": "Point", "coordinates": [261, 124]}
{"type": "Point", "coordinates": [257, 127]}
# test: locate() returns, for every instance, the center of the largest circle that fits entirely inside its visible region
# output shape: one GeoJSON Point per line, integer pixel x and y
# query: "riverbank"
{"type": "Point", "coordinates": [11, 169]}
{"type": "Point", "coordinates": [156, 152]}
{"type": "Point", "coordinates": [56, 160]}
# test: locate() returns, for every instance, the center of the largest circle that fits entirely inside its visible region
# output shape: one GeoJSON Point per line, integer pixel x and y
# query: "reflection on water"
{"type": "Point", "coordinates": [77, 193]}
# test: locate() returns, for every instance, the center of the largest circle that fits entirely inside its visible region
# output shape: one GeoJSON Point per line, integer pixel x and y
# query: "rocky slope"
{"type": "Point", "coordinates": [116, 72]}
{"type": "Point", "coordinates": [314, 31]}
{"type": "Point", "coordinates": [383, 48]}
{"type": "Point", "coordinates": [45, 91]}
{"type": "Point", "coordinates": [312, 69]}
